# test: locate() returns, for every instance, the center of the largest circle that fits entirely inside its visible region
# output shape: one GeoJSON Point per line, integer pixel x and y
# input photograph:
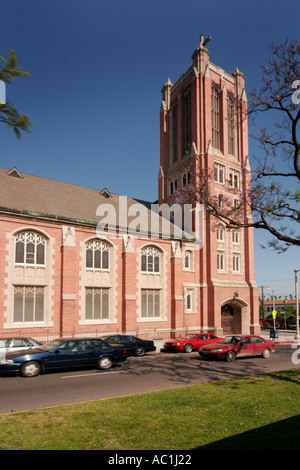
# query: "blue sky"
{"type": "Point", "coordinates": [97, 68]}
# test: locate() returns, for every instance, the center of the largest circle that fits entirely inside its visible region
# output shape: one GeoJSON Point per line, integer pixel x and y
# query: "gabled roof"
{"type": "Point", "coordinates": [30, 195]}
{"type": "Point", "coordinates": [14, 172]}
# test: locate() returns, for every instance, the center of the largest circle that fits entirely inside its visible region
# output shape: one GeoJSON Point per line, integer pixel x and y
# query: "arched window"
{"type": "Point", "coordinates": [188, 260]}
{"type": "Point", "coordinates": [30, 248]}
{"type": "Point", "coordinates": [97, 255]}
{"type": "Point", "coordinates": [150, 260]}
{"type": "Point", "coordinates": [189, 300]}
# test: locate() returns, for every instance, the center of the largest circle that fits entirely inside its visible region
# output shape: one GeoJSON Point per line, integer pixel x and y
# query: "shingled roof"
{"type": "Point", "coordinates": [35, 196]}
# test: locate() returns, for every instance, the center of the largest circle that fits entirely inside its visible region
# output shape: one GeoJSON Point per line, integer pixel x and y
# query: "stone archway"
{"type": "Point", "coordinates": [235, 317]}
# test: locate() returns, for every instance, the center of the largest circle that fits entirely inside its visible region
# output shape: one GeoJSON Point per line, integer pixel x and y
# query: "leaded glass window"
{"type": "Point", "coordinates": [151, 300]}
{"type": "Point", "coordinates": [150, 260]}
{"type": "Point", "coordinates": [97, 255]}
{"type": "Point", "coordinates": [29, 303]}
{"type": "Point", "coordinates": [30, 248]}
{"type": "Point", "coordinates": [97, 303]}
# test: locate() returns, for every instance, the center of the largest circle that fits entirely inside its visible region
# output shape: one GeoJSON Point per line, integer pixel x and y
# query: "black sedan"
{"type": "Point", "coordinates": [63, 354]}
{"type": "Point", "coordinates": [134, 346]}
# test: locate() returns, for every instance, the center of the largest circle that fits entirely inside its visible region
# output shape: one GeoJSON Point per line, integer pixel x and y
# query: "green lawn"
{"type": "Point", "coordinates": [255, 412]}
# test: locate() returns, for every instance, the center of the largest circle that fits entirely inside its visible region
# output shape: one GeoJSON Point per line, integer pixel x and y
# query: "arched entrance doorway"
{"type": "Point", "coordinates": [235, 317]}
{"type": "Point", "coordinates": [227, 319]}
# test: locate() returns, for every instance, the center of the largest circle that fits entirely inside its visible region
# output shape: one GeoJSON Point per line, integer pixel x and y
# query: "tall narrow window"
{"type": "Point", "coordinates": [235, 236]}
{"type": "Point", "coordinates": [187, 121]}
{"type": "Point", "coordinates": [220, 234]}
{"type": "Point", "coordinates": [189, 300]}
{"type": "Point", "coordinates": [215, 102]}
{"type": "Point", "coordinates": [236, 262]}
{"type": "Point", "coordinates": [221, 201]}
{"type": "Point", "coordinates": [234, 179]}
{"type": "Point", "coordinates": [173, 185]}
{"type": "Point", "coordinates": [185, 177]}
{"type": "Point", "coordinates": [188, 260]}
{"type": "Point", "coordinates": [221, 261]}
{"type": "Point", "coordinates": [174, 131]}
{"type": "Point", "coordinates": [219, 173]}
{"type": "Point", "coordinates": [231, 125]}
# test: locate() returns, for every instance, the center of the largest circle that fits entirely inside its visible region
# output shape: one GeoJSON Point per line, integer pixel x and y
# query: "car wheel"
{"type": "Point", "coordinates": [105, 363]}
{"type": "Point", "coordinates": [140, 351]}
{"type": "Point", "coordinates": [30, 369]}
{"type": "Point", "coordinates": [188, 348]}
{"type": "Point", "coordinates": [266, 353]}
{"type": "Point", "coordinates": [230, 356]}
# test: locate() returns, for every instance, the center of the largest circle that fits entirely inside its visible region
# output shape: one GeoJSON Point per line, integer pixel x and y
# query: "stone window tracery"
{"type": "Point", "coordinates": [150, 260]}
{"type": "Point", "coordinates": [30, 248]}
{"type": "Point", "coordinates": [97, 255]}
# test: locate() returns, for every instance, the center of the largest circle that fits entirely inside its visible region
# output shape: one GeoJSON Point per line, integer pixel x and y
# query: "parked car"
{"type": "Point", "coordinates": [264, 324]}
{"type": "Point", "coordinates": [189, 343]}
{"type": "Point", "coordinates": [238, 346]}
{"type": "Point", "coordinates": [134, 346]}
{"type": "Point", "coordinates": [64, 354]}
{"type": "Point", "coordinates": [16, 344]}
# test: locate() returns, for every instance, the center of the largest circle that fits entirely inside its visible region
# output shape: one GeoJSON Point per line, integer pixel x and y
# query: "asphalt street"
{"type": "Point", "coordinates": [155, 371]}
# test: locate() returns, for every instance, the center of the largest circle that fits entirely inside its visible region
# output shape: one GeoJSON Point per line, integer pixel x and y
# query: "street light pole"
{"type": "Point", "coordinates": [297, 337]}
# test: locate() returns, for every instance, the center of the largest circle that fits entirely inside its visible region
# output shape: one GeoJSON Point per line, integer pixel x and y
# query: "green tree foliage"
{"type": "Point", "coordinates": [8, 113]}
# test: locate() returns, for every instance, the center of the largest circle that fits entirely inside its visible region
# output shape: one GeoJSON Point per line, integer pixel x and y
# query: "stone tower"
{"type": "Point", "coordinates": [202, 126]}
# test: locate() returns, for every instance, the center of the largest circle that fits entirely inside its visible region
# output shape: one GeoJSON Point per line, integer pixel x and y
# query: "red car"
{"type": "Point", "coordinates": [234, 346]}
{"type": "Point", "coordinates": [190, 342]}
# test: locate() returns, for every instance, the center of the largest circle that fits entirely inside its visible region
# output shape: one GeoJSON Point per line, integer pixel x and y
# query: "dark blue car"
{"type": "Point", "coordinates": [63, 354]}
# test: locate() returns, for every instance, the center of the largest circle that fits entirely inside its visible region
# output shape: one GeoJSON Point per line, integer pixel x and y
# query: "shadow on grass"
{"type": "Point", "coordinates": [282, 435]}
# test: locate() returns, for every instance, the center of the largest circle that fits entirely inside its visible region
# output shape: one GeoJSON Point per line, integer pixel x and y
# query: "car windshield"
{"type": "Point", "coordinates": [191, 336]}
{"type": "Point", "coordinates": [230, 339]}
{"type": "Point", "coordinates": [51, 345]}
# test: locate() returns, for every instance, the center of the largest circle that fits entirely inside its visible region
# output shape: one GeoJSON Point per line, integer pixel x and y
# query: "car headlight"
{"type": "Point", "coordinates": [217, 350]}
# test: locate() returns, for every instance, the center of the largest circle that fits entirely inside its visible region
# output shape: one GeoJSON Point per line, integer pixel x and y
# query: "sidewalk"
{"type": "Point", "coordinates": [283, 336]}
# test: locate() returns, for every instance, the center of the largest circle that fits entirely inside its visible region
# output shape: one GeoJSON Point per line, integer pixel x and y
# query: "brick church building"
{"type": "Point", "coordinates": [66, 268]}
